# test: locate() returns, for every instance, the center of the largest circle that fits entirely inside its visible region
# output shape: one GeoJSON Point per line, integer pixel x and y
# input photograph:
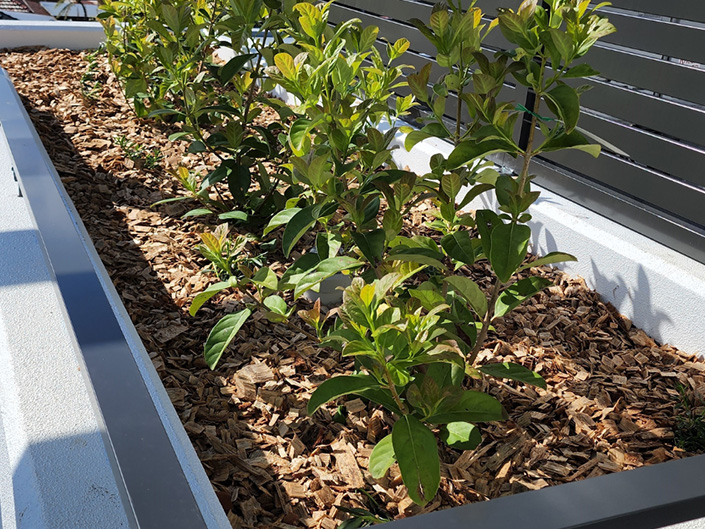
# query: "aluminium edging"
{"type": "Point", "coordinates": [165, 481]}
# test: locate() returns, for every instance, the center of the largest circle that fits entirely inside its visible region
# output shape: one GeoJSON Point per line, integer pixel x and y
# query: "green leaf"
{"type": "Point", "coordinates": [297, 226]}
{"type": "Point", "coordinates": [514, 372]}
{"type": "Point", "coordinates": [458, 245]}
{"type": "Point", "coordinates": [382, 457]}
{"type": "Point", "coordinates": [563, 43]}
{"type": "Point", "coordinates": [266, 277]}
{"type": "Point", "coordinates": [299, 138]}
{"type": "Point", "coordinates": [234, 215]}
{"type": "Point", "coordinates": [199, 212]}
{"type": "Point", "coordinates": [461, 435]}
{"type": "Point", "coordinates": [603, 142]}
{"type": "Point", "coordinates": [432, 130]}
{"type": "Point", "coordinates": [519, 292]}
{"type": "Point", "coordinates": [566, 104]}
{"type": "Point", "coordinates": [276, 304]}
{"type": "Point", "coordinates": [233, 66]}
{"type": "Point", "coordinates": [323, 270]}
{"type": "Point", "coordinates": [280, 219]}
{"type": "Point", "coordinates": [574, 140]}
{"type": "Point", "coordinates": [473, 406]}
{"type": "Point", "coordinates": [222, 334]}
{"type": "Point", "coordinates": [467, 288]}
{"type": "Point", "coordinates": [209, 292]}
{"type": "Point", "coordinates": [428, 295]}
{"type": "Point", "coordinates": [579, 71]}
{"type": "Point", "coordinates": [417, 453]}
{"type": "Point", "coordinates": [509, 244]}
{"type": "Point", "coordinates": [551, 258]}
{"type": "Point", "coordinates": [469, 151]}
{"type": "Point", "coordinates": [371, 244]}
{"type": "Point", "coordinates": [445, 374]}
{"type": "Point", "coordinates": [337, 387]}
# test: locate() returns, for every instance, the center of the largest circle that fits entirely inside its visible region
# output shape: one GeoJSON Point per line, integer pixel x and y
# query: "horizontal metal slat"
{"type": "Point", "coordinates": [676, 120]}
{"type": "Point", "coordinates": [683, 9]}
{"type": "Point", "coordinates": [659, 153]}
{"type": "Point", "coordinates": [660, 76]}
{"type": "Point", "coordinates": [655, 36]}
{"type": "Point", "coordinates": [650, 187]}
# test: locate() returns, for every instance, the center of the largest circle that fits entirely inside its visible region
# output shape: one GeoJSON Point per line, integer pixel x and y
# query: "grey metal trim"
{"type": "Point", "coordinates": [646, 498]}
{"type": "Point", "coordinates": [159, 491]}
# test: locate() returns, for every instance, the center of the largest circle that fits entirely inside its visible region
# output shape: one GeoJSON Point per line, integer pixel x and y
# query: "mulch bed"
{"type": "Point", "coordinates": [611, 398]}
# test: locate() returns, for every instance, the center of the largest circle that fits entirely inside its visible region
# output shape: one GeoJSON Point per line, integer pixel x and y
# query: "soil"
{"type": "Point", "coordinates": [611, 402]}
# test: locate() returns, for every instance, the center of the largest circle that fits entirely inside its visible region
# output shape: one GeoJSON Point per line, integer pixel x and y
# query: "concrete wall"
{"type": "Point", "coordinates": [52, 34]}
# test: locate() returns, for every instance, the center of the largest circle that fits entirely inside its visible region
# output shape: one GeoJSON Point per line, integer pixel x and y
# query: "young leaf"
{"type": "Point", "coordinates": [337, 387]}
{"type": "Point", "coordinates": [509, 244]}
{"type": "Point", "coordinates": [461, 435]}
{"type": "Point", "coordinates": [417, 453]}
{"type": "Point", "coordinates": [382, 457]}
{"type": "Point", "coordinates": [519, 292]}
{"type": "Point", "coordinates": [222, 334]}
{"type": "Point", "coordinates": [551, 258]}
{"type": "Point", "coordinates": [514, 372]}
{"type": "Point", "coordinates": [467, 288]}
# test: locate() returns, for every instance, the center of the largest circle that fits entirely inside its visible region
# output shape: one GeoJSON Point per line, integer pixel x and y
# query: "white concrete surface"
{"type": "Point", "coordinates": [659, 289]}
{"type": "Point", "coordinates": [208, 503]}
{"type": "Point", "coordinates": [55, 472]}
{"type": "Point", "coordinates": [53, 34]}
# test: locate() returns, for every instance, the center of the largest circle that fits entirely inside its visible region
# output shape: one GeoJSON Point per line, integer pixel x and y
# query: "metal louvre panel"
{"type": "Point", "coordinates": [658, 36]}
{"type": "Point", "coordinates": [682, 9]}
{"type": "Point", "coordinates": [648, 101]}
{"type": "Point", "coordinates": [652, 150]}
{"type": "Point", "coordinates": [670, 195]}
{"type": "Point", "coordinates": [657, 75]}
{"type": "Point", "coordinates": [646, 110]}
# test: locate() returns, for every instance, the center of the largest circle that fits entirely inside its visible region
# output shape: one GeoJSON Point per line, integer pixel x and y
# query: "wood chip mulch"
{"type": "Point", "coordinates": [611, 398]}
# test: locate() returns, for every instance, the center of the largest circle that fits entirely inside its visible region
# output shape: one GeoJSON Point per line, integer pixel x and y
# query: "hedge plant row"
{"type": "Point", "coordinates": [412, 317]}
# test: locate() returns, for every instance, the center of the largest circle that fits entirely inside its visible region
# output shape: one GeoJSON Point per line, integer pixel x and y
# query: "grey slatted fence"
{"type": "Point", "coordinates": [649, 100]}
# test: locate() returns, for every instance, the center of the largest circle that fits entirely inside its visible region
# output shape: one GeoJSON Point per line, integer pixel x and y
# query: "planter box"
{"type": "Point", "coordinates": [93, 439]}
{"type": "Point", "coordinates": [154, 465]}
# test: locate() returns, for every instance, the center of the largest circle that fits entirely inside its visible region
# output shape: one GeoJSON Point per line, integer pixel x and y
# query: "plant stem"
{"type": "Point", "coordinates": [486, 322]}
{"type": "Point", "coordinates": [458, 115]}
{"type": "Point", "coordinates": [393, 390]}
{"type": "Point", "coordinates": [496, 290]}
